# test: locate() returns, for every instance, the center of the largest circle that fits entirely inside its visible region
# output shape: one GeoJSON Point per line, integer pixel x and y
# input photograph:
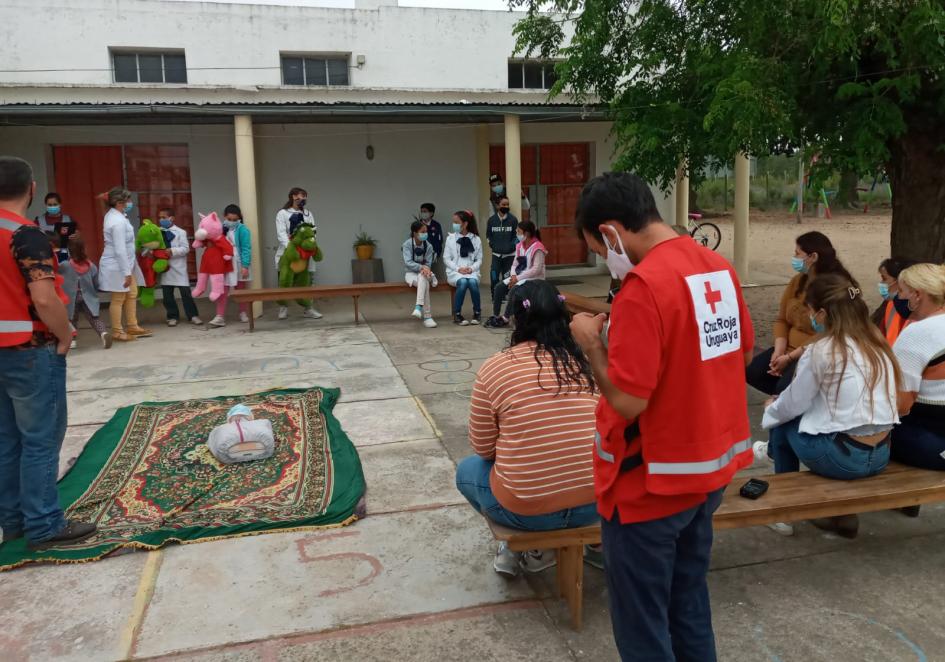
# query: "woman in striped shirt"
{"type": "Point", "coordinates": [531, 424]}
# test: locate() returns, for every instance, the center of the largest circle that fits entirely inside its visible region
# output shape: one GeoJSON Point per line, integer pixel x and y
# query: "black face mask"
{"type": "Point", "coordinates": [503, 210]}
{"type": "Point", "coordinates": [902, 307]}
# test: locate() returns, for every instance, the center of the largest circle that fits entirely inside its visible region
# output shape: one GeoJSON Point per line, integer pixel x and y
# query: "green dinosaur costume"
{"type": "Point", "coordinates": [293, 265]}
{"type": "Point", "coordinates": [150, 239]}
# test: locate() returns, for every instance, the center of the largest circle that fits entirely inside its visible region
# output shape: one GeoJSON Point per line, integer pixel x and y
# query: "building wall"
{"type": "Point", "coordinates": [239, 44]}
{"type": "Point", "coordinates": [348, 193]}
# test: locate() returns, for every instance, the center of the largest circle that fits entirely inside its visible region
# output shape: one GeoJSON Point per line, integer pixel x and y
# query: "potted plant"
{"type": "Point", "coordinates": [364, 245]}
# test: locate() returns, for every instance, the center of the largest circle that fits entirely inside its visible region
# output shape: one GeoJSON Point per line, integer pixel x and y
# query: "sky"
{"type": "Point", "coordinates": [451, 4]}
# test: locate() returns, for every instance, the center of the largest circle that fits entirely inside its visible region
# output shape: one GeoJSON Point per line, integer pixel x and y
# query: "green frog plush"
{"type": "Point", "coordinates": [293, 265]}
{"type": "Point", "coordinates": [152, 257]}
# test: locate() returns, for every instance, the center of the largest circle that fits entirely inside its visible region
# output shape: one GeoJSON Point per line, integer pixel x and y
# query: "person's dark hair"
{"type": "Point", "coordinates": [501, 198]}
{"type": "Point", "coordinates": [428, 206]}
{"type": "Point", "coordinates": [415, 227]}
{"type": "Point", "coordinates": [540, 316]}
{"type": "Point", "coordinates": [827, 260]}
{"type": "Point", "coordinates": [295, 190]}
{"type": "Point", "coordinates": [77, 248]}
{"type": "Point", "coordinates": [616, 196]}
{"type": "Point", "coordinates": [51, 195]}
{"type": "Point", "coordinates": [167, 210]}
{"type": "Point", "coordinates": [896, 265]}
{"type": "Point", "coordinates": [16, 177]}
{"type": "Point", "coordinates": [117, 195]}
{"type": "Point", "coordinates": [233, 209]}
{"type": "Point", "coordinates": [530, 228]}
{"type": "Point", "coordinates": [469, 219]}
{"type": "Point", "coordinates": [848, 321]}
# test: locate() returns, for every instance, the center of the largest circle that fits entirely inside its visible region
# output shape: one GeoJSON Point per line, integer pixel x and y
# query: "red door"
{"type": "Point", "coordinates": [83, 172]}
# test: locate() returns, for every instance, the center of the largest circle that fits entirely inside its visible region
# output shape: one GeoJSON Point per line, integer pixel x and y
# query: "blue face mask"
{"type": "Point", "coordinates": [53, 210]}
{"type": "Point", "coordinates": [817, 326]}
{"type": "Point", "coordinates": [799, 265]}
{"type": "Point", "coordinates": [166, 223]}
{"type": "Point", "coordinates": [129, 206]}
{"type": "Point", "coordinates": [457, 227]}
{"type": "Point", "coordinates": [902, 307]}
{"type": "Point", "coordinates": [519, 238]}
{"type": "Point", "coordinates": [422, 236]}
{"type": "Point", "coordinates": [883, 291]}
{"type": "Point", "coordinates": [498, 189]}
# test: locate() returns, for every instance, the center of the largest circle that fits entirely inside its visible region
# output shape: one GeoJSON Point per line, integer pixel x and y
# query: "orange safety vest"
{"type": "Point", "coordinates": [893, 323]}
{"type": "Point", "coordinates": [16, 323]}
{"type": "Point", "coordinates": [696, 447]}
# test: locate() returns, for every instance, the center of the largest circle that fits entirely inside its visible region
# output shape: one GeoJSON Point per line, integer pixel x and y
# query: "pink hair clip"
{"type": "Point", "coordinates": [561, 298]}
{"type": "Point", "coordinates": [526, 304]}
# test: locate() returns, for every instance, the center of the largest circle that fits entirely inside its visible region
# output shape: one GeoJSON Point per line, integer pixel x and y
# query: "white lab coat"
{"type": "Point", "coordinates": [176, 274]}
{"type": "Point", "coordinates": [118, 257]}
{"type": "Point", "coordinates": [453, 260]}
{"type": "Point", "coordinates": [282, 233]}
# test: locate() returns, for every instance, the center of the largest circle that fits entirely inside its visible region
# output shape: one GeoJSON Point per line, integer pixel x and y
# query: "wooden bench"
{"type": "Point", "coordinates": [355, 291]}
{"type": "Point", "coordinates": [790, 497]}
{"type": "Point", "coordinates": [575, 302]}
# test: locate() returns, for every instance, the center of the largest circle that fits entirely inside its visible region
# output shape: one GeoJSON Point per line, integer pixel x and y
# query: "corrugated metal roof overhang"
{"type": "Point", "coordinates": [177, 113]}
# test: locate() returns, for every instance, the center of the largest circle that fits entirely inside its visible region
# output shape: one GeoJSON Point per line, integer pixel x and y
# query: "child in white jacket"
{"type": "Point", "coordinates": [462, 256]}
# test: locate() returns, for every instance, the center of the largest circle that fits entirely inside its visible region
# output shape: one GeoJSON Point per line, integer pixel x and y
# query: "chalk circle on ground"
{"type": "Point", "coordinates": [457, 365]}
{"type": "Point", "coordinates": [455, 377]}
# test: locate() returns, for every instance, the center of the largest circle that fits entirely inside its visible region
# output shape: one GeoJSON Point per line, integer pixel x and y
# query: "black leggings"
{"type": "Point", "coordinates": [756, 374]}
{"type": "Point", "coordinates": [919, 439]}
{"type": "Point", "coordinates": [498, 297]}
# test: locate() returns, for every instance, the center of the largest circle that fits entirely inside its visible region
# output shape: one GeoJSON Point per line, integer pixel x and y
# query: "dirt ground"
{"type": "Point", "coordinates": [861, 240]}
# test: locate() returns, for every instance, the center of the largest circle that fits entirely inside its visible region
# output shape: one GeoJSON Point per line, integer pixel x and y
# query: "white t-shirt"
{"type": "Point", "coordinates": [919, 344]}
{"type": "Point", "coordinates": [814, 395]}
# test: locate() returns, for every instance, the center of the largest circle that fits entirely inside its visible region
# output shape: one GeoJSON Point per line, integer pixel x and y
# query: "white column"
{"type": "Point", "coordinates": [742, 183]}
{"type": "Point", "coordinates": [681, 193]}
{"type": "Point", "coordinates": [246, 192]}
{"type": "Point", "coordinates": [513, 164]}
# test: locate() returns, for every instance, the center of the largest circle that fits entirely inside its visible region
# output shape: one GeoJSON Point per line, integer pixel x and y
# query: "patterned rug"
{"type": "Point", "coordinates": [146, 478]}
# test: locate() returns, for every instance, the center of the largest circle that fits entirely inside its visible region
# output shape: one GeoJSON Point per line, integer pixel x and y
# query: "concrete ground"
{"type": "Point", "coordinates": [413, 580]}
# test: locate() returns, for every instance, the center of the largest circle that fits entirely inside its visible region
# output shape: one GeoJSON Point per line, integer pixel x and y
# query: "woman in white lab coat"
{"type": "Point", "coordinates": [118, 271]}
{"type": "Point", "coordinates": [295, 205]}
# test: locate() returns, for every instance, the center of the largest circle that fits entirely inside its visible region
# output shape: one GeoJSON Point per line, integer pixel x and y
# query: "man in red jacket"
{"type": "Point", "coordinates": [672, 426]}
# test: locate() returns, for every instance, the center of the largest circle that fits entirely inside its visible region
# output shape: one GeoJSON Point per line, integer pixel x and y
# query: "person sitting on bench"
{"type": "Point", "coordinates": [837, 414]}
{"type": "Point", "coordinates": [529, 265]}
{"type": "Point", "coordinates": [418, 265]}
{"type": "Point", "coordinates": [920, 440]}
{"type": "Point", "coordinates": [531, 424]}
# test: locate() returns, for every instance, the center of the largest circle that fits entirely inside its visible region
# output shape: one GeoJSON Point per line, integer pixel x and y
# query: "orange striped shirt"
{"type": "Point", "coordinates": [542, 441]}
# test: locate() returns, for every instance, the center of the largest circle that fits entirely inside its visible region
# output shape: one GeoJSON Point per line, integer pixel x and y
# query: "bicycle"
{"type": "Point", "coordinates": [704, 234]}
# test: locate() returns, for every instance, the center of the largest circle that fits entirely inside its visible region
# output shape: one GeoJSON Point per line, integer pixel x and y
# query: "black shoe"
{"type": "Point", "coordinates": [459, 319]}
{"type": "Point", "coordinates": [490, 323]}
{"type": "Point", "coordinates": [845, 526]}
{"type": "Point", "coordinates": [72, 534]}
{"type": "Point", "coordinates": [910, 511]}
{"type": "Point", "coordinates": [477, 319]}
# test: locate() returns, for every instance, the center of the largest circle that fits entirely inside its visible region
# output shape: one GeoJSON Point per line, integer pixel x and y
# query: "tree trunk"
{"type": "Point", "coordinates": [847, 196]}
{"type": "Point", "coordinates": [915, 170]}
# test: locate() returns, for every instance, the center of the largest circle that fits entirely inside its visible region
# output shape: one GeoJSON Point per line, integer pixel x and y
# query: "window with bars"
{"type": "Point", "coordinates": [149, 67]}
{"type": "Point", "coordinates": [315, 70]}
{"type": "Point", "coordinates": [531, 74]}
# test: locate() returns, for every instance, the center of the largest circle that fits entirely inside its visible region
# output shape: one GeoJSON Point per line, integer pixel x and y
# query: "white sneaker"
{"type": "Point", "coordinates": [418, 312]}
{"type": "Point", "coordinates": [73, 344]}
{"type": "Point", "coordinates": [172, 322]}
{"type": "Point", "coordinates": [106, 339]}
{"type": "Point", "coordinates": [312, 314]}
{"type": "Point", "coordinates": [244, 318]}
{"type": "Point", "coordinates": [430, 323]}
{"type": "Point", "coordinates": [506, 561]}
{"type": "Point", "coordinates": [283, 312]}
{"type": "Point", "coordinates": [196, 321]}
{"type": "Point", "coordinates": [781, 528]}
{"type": "Point", "coordinates": [217, 321]}
{"type": "Point", "coordinates": [760, 449]}
{"type": "Point", "coordinates": [536, 560]}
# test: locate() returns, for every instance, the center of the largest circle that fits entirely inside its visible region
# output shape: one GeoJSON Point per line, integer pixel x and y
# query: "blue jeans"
{"type": "Point", "coordinates": [32, 427]}
{"type": "Point", "coordinates": [656, 580]}
{"type": "Point", "coordinates": [832, 455]}
{"type": "Point", "coordinates": [472, 480]}
{"type": "Point", "coordinates": [464, 285]}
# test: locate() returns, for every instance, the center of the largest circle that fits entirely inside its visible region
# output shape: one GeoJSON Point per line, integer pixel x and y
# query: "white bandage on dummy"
{"type": "Point", "coordinates": [241, 438]}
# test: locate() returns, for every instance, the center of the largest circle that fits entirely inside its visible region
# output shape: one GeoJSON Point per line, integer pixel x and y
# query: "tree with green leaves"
{"type": "Point", "coordinates": [857, 82]}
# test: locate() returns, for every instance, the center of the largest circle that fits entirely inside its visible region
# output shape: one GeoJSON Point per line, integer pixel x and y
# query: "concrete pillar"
{"type": "Point", "coordinates": [742, 183]}
{"type": "Point", "coordinates": [681, 193]}
{"type": "Point", "coordinates": [246, 192]}
{"type": "Point", "coordinates": [483, 209]}
{"type": "Point", "coordinates": [513, 164]}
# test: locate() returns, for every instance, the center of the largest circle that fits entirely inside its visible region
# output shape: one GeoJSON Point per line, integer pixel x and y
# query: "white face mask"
{"type": "Point", "coordinates": [618, 263]}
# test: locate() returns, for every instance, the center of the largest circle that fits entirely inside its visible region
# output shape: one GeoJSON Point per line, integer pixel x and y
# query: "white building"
{"type": "Point", "coordinates": [197, 105]}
